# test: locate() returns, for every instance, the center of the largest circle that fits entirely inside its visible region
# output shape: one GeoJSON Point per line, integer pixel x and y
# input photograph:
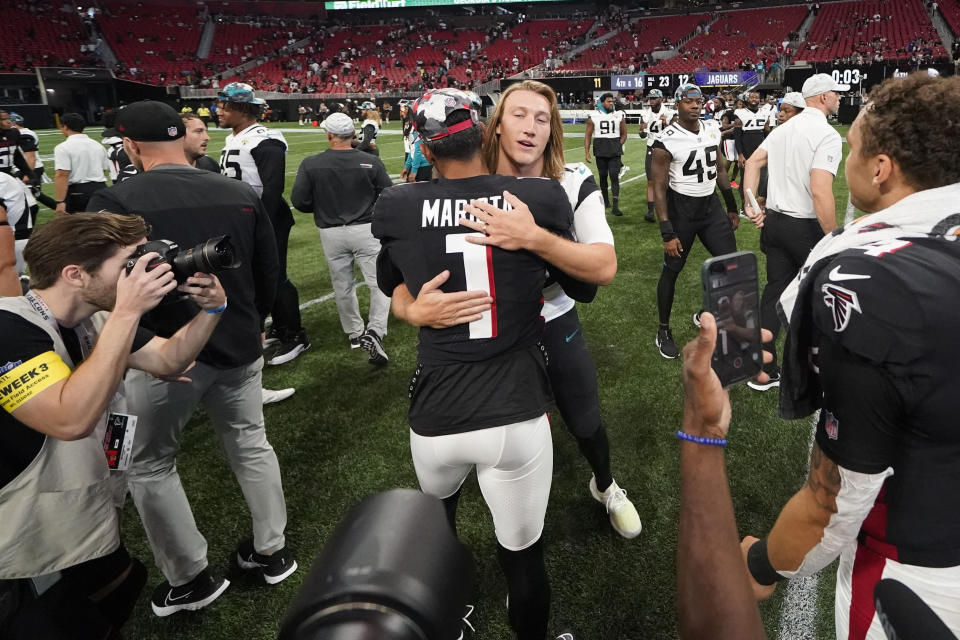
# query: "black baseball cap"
{"type": "Point", "coordinates": [150, 121]}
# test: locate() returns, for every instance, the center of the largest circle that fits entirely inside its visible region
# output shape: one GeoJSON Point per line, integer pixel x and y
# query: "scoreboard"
{"type": "Point", "coordinates": [642, 83]}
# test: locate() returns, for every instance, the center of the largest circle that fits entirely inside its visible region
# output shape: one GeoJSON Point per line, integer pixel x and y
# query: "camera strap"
{"type": "Point", "coordinates": [117, 427]}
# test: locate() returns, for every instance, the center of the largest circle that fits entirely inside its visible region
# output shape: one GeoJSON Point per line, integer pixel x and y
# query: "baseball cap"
{"type": "Point", "coordinates": [150, 121]}
{"type": "Point", "coordinates": [655, 93]}
{"type": "Point", "coordinates": [687, 90]}
{"type": "Point", "coordinates": [433, 110]}
{"type": "Point", "coordinates": [239, 92]}
{"type": "Point", "coordinates": [794, 99]}
{"type": "Point", "coordinates": [368, 105]}
{"type": "Point", "coordinates": [339, 124]}
{"type": "Point", "coordinates": [15, 117]}
{"type": "Point", "coordinates": [821, 83]}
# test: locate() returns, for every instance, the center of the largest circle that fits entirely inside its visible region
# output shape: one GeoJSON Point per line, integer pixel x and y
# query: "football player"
{"type": "Point", "coordinates": [30, 147]}
{"type": "Point", "coordinates": [257, 155]}
{"type": "Point", "coordinates": [653, 120]}
{"type": "Point", "coordinates": [686, 173]}
{"type": "Point", "coordinates": [370, 128]}
{"type": "Point", "coordinates": [608, 130]}
{"type": "Point", "coordinates": [408, 133]}
{"type": "Point", "coordinates": [751, 126]}
{"type": "Point", "coordinates": [10, 154]}
{"type": "Point", "coordinates": [480, 391]}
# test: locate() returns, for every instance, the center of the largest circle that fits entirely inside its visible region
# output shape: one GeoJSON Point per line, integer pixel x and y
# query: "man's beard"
{"type": "Point", "coordinates": [101, 295]}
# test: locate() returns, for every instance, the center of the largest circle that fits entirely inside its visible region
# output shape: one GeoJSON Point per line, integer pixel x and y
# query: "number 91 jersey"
{"type": "Point", "coordinates": [693, 164]}
{"type": "Point", "coordinates": [236, 159]}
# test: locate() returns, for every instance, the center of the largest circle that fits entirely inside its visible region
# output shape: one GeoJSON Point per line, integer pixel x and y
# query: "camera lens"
{"type": "Point", "coordinates": [212, 256]}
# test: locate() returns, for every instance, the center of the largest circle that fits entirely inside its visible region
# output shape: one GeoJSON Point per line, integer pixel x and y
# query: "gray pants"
{"type": "Point", "coordinates": [232, 398]}
{"type": "Point", "coordinates": [343, 246]}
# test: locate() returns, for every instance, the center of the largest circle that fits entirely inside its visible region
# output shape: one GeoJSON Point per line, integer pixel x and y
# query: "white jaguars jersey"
{"type": "Point", "coordinates": [606, 125]}
{"type": "Point", "coordinates": [589, 226]}
{"type": "Point", "coordinates": [752, 121]}
{"type": "Point", "coordinates": [655, 125]}
{"type": "Point", "coordinates": [13, 197]}
{"type": "Point", "coordinates": [236, 160]}
{"type": "Point", "coordinates": [769, 113]}
{"type": "Point", "coordinates": [36, 142]}
{"type": "Point", "coordinates": [115, 144]}
{"type": "Point", "coordinates": [376, 128]}
{"type": "Point", "coordinates": [693, 167]}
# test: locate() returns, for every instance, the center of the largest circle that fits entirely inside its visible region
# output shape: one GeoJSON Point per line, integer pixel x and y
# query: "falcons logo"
{"type": "Point", "coordinates": [843, 302]}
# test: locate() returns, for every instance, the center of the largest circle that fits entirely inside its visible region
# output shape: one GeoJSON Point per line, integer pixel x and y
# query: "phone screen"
{"type": "Point", "coordinates": [731, 294]}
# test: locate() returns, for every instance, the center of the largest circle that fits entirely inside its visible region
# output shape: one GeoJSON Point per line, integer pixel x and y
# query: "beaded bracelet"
{"type": "Point", "coordinates": [718, 442]}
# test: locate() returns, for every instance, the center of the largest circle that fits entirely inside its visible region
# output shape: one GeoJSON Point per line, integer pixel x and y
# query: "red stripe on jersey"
{"type": "Point", "coordinates": [867, 571]}
{"type": "Point", "coordinates": [493, 293]}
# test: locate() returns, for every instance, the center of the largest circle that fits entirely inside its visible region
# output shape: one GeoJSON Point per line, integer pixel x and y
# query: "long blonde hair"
{"type": "Point", "coordinates": [372, 114]}
{"type": "Point", "coordinates": [552, 154]}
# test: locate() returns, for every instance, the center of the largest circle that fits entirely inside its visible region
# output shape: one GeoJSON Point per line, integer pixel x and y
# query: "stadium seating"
{"type": "Point", "coordinates": [235, 43]}
{"type": "Point", "coordinates": [51, 38]}
{"type": "Point", "coordinates": [871, 27]}
{"type": "Point", "coordinates": [648, 34]}
{"type": "Point", "coordinates": [951, 13]}
{"type": "Point", "coordinates": [737, 40]}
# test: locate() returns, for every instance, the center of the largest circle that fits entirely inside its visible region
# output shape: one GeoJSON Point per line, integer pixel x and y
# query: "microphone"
{"type": "Point", "coordinates": [905, 616]}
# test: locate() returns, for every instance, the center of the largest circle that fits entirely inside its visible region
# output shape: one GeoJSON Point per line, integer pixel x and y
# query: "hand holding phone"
{"type": "Point", "coordinates": [731, 293]}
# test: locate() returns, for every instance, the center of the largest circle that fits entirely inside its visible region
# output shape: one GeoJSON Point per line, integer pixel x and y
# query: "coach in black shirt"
{"type": "Point", "coordinates": [188, 206]}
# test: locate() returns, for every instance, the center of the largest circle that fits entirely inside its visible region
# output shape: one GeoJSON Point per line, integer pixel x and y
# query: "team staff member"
{"type": "Point", "coordinates": [873, 345]}
{"type": "Point", "coordinates": [340, 187]}
{"type": "Point", "coordinates": [686, 173]}
{"type": "Point", "coordinates": [56, 496]}
{"type": "Point", "coordinates": [802, 160]}
{"type": "Point", "coordinates": [653, 120]}
{"type": "Point", "coordinates": [523, 144]}
{"type": "Point", "coordinates": [480, 391]}
{"type": "Point", "coordinates": [607, 127]}
{"type": "Point", "coordinates": [80, 163]}
{"type": "Point", "coordinates": [257, 155]}
{"type": "Point", "coordinates": [189, 206]}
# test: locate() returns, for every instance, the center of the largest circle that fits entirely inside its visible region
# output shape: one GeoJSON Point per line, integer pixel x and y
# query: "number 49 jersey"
{"type": "Point", "coordinates": [237, 158]}
{"type": "Point", "coordinates": [693, 164]}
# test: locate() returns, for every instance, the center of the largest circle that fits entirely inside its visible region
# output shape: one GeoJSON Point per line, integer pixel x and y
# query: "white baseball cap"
{"type": "Point", "coordinates": [821, 83]}
{"type": "Point", "coordinates": [794, 99]}
{"type": "Point", "coordinates": [339, 124]}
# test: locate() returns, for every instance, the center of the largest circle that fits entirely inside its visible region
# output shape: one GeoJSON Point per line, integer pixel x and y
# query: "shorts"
{"type": "Point", "coordinates": [514, 469]}
{"type": "Point", "coordinates": [859, 571]}
{"type": "Point", "coordinates": [698, 217]}
{"type": "Point", "coordinates": [730, 149]}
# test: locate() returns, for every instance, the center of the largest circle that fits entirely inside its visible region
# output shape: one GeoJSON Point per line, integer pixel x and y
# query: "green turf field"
{"type": "Point", "coordinates": [344, 435]}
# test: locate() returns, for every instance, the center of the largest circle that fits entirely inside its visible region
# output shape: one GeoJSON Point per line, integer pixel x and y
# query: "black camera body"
{"type": "Point", "coordinates": [210, 256]}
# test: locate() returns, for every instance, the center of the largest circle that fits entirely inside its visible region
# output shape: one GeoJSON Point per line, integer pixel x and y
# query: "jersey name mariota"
{"type": "Point", "coordinates": [236, 159]}
{"type": "Point", "coordinates": [693, 163]}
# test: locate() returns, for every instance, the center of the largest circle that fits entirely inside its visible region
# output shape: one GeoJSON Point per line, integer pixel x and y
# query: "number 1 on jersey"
{"type": "Point", "coordinates": [478, 270]}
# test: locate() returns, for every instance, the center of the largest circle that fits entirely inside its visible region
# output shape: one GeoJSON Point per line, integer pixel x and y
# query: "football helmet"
{"type": "Point", "coordinates": [239, 92]}
{"type": "Point", "coordinates": [433, 109]}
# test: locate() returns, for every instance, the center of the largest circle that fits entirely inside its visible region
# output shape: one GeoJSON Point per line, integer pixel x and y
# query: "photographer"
{"type": "Point", "coordinates": [61, 560]}
{"type": "Point", "coordinates": [189, 206]}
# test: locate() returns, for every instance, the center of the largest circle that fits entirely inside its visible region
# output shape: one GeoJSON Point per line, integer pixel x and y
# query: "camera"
{"type": "Point", "coordinates": [210, 256]}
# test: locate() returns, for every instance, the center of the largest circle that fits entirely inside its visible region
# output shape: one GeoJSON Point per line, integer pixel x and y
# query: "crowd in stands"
{"type": "Point", "coordinates": [50, 36]}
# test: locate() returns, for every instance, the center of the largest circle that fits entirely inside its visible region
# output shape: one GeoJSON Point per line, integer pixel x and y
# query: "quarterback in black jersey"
{"type": "Point", "coordinates": [480, 391]}
{"type": "Point", "coordinates": [873, 346]}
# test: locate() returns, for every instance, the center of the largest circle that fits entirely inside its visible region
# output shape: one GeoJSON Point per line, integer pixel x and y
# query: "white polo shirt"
{"type": "Point", "coordinates": [805, 142]}
{"type": "Point", "coordinates": [85, 159]}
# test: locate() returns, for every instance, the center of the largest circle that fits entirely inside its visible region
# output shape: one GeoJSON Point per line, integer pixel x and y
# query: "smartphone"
{"type": "Point", "coordinates": [731, 292]}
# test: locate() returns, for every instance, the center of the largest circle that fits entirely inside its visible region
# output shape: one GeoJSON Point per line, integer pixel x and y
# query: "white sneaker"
{"type": "Point", "coordinates": [270, 396]}
{"type": "Point", "coordinates": [623, 515]}
{"type": "Point", "coordinates": [623, 171]}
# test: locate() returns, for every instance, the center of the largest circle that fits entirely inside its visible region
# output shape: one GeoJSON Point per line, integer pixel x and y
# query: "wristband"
{"type": "Point", "coordinates": [758, 562]}
{"type": "Point", "coordinates": [717, 442]}
{"type": "Point", "coordinates": [728, 198]}
{"type": "Point", "coordinates": [666, 231]}
{"type": "Point", "coordinates": [218, 310]}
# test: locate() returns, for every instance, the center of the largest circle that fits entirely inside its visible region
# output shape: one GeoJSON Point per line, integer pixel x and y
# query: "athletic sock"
{"type": "Point", "coordinates": [450, 506]}
{"type": "Point", "coordinates": [529, 590]}
{"type": "Point", "coordinates": [596, 449]}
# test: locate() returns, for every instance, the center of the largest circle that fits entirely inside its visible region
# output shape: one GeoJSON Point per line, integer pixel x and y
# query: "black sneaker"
{"type": "Point", "coordinates": [774, 381]}
{"type": "Point", "coordinates": [289, 349]}
{"type": "Point", "coordinates": [372, 343]}
{"type": "Point", "coordinates": [355, 343]}
{"type": "Point", "coordinates": [275, 567]}
{"type": "Point", "coordinates": [273, 337]}
{"type": "Point", "coordinates": [649, 217]}
{"type": "Point", "coordinates": [616, 210]}
{"type": "Point", "coordinates": [194, 595]}
{"type": "Point", "coordinates": [666, 345]}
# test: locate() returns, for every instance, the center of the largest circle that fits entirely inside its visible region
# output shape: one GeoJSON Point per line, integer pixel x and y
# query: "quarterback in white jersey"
{"type": "Point", "coordinates": [685, 175]}
{"type": "Point", "coordinates": [607, 129]}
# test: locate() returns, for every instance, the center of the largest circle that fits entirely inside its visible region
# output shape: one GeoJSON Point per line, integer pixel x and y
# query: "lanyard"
{"type": "Point", "coordinates": [81, 330]}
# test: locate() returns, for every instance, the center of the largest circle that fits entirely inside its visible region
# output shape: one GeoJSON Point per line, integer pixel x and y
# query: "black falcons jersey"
{"type": "Point", "coordinates": [418, 226]}
{"type": "Point", "coordinates": [887, 317]}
